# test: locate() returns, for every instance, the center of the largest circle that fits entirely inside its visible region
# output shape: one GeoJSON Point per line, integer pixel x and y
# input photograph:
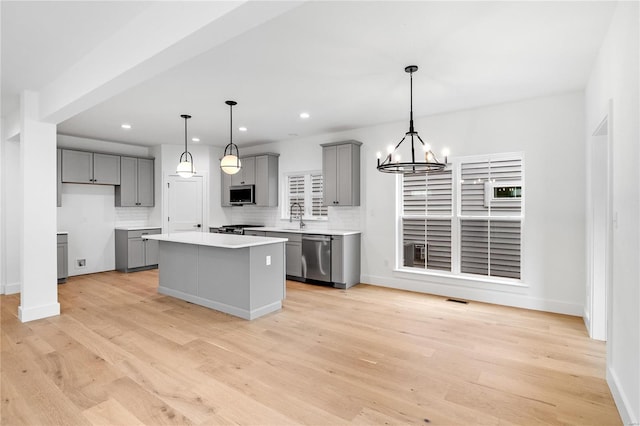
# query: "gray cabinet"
{"type": "Point", "coordinates": [259, 170]}
{"type": "Point", "coordinates": [266, 177]}
{"type": "Point", "coordinates": [89, 167]}
{"type": "Point", "coordinates": [225, 179]}
{"type": "Point", "coordinates": [345, 257]}
{"type": "Point", "coordinates": [247, 173]}
{"type": "Point", "coordinates": [63, 258]}
{"type": "Point", "coordinates": [134, 252]}
{"type": "Point", "coordinates": [293, 252]}
{"type": "Point", "coordinates": [255, 233]}
{"type": "Point", "coordinates": [136, 187]}
{"type": "Point", "coordinates": [341, 173]}
{"type": "Point", "coordinates": [345, 260]}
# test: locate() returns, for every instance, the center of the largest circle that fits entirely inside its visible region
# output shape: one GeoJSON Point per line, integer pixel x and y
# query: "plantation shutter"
{"type": "Point", "coordinates": [473, 176]}
{"type": "Point", "coordinates": [474, 247]}
{"type": "Point", "coordinates": [438, 249]}
{"type": "Point", "coordinates": [506, 171]}
{"type": "Point", "coordinates": [439, 193]}
{"type": "Point", "coordinates": [505, 248]}
{"type": "Point", "coordinates": [317, 209]}
{"type": "Point", "coordinates": [414, 195]}
{"type": "Point", "coordinates": [296, 190]}
{"type": "Point", "coordinates": [427, 240]}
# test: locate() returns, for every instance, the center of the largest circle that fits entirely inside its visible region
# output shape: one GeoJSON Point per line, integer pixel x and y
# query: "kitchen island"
{"type": "Point", "coordinates": [236, 274]}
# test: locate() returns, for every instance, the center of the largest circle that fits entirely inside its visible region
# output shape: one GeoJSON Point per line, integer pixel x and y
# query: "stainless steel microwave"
{"type": "Point", "coordinates": [242, 194]}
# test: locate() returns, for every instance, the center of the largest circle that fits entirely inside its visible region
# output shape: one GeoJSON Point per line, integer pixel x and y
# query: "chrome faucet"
{"type": "Point", "coordinates": [302, 224]}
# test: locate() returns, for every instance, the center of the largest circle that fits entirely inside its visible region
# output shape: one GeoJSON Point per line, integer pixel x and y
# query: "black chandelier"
{"type": "Point", "coordinates": [392, 162]}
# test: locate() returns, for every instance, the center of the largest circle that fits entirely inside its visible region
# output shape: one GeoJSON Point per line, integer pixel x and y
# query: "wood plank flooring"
{"type": "Point", "coordinates": [121, 354]}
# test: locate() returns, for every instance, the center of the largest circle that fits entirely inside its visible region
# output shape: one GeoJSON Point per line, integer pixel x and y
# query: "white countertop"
{"type": "Point", "coordinates": [136, 228]}
{"type": "Point", "coordinates": [305, 231]}
{"type": "Point", "coordinates": [63, 233]}
{"type": "Point", "coordinates": [230, 241]}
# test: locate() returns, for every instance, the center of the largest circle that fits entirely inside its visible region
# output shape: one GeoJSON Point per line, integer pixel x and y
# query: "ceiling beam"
{"type": "Point", "coordinates": [163, 36]}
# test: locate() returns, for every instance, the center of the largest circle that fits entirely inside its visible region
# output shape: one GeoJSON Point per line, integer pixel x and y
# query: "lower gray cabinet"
{"type": "Point", "coordinates": [134, 252]}
{"type": "Point", "coordinates": [345, 260]}
{"type": "Point", "coordinates": [293, 252]}
{"type": "Point", "coordinates": [63, 258]}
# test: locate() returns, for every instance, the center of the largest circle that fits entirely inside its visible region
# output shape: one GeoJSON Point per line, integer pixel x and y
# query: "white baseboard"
{"type": "Point", "coordinates": [620, 398]}
{"type": "Point", "coordinates": [11, 288]}
{"type": "Point", "coordinates": [38, 312]}
{"type": "Point", "coordinates": [516, 300]}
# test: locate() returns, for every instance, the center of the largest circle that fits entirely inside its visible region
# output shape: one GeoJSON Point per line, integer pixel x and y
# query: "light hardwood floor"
{"type": "Point", "coordinates": [121, 354]}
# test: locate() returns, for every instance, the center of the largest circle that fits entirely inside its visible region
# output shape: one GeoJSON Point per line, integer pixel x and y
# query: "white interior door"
{"type": "Point", "coordinates": [599, 233]}
{"type": "Point", "coordinates": [185, 208]}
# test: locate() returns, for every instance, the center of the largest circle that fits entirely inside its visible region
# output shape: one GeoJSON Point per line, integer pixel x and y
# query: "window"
{"type": "Point", "coordinates": [466, 219]}
{"type": "Point", "coordinates": [304, 188]}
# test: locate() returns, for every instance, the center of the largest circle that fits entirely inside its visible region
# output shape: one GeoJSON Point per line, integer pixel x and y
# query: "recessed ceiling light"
{"type": "Point", "coordinates": [125, 126]}
{"type": "Point", "coordinates": [242, 129]}
{"type": "Point", "coordinates": [304, 115]}
{"type": "Point", "coordinates": [195, 139]}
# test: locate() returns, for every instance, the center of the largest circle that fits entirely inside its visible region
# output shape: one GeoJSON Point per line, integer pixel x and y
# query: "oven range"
{"type": "Point", "coordinates": [235, 229]}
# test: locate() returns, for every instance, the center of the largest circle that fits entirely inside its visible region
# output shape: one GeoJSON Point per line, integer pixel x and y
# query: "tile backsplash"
{"type": "Point", "coordinates": [339, 218]}
{"type": "Point", "coordinates": [132, 216]}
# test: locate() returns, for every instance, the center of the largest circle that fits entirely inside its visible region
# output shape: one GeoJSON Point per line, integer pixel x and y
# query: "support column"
{"type": "Point", "coordinates": [38, 265]}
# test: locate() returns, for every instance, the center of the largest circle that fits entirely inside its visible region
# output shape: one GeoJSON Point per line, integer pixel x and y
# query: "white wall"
{"type": "Point", "coordinates": [615, 77]}
{"type": "Point", "coordinates": [550, 133]}
{"type": "Point", "coordinates": [88, 212]}
{"type": "Point", "coordinates": [11, 216]}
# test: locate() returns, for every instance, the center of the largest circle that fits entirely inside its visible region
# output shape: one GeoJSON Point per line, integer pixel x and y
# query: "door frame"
{"type": "Point", "coordinates": [597, 309]}
{"type": "Point", "coordinates": [205, 200]}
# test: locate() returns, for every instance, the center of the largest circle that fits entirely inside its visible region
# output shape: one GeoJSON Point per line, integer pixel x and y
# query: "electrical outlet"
{"type": "Point", "coordinates": [268, 260]}
{"type": "Point", "coordinates": [81, 263]}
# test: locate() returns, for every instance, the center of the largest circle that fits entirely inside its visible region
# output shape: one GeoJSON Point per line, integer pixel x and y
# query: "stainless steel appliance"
{"type": "Point", "coordinates": [316, 257]}
{"type": "Point", "coordinates": [235, 229]}
{"type": "Point", "coordinates": [242, 194]}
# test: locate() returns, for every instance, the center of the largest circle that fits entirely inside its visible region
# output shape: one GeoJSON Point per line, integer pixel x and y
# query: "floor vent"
{"type": "Point", "coordinates": [464, 302]}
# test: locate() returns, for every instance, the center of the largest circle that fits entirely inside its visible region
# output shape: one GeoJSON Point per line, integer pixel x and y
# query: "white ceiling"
{"type": "Point", "coordinates": [343, 62]}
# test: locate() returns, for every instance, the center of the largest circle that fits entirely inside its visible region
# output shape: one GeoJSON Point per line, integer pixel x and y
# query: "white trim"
{"type": "Point", "coordinates": [621, 399]}
{"type": "Point", "coordinates": [482, 280]}
{"type": "Point", "coordinates": [506, 298]}
{"type": "Point", "coordinates": [248, 314]}
{"type": "Point", "coordinates": [11, 288]}
{"type": "Point", "coordinates": [38, 312]}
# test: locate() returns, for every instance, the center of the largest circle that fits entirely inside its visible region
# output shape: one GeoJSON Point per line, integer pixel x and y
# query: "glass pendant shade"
{"type": "Point", "coordinates": [230, 164]}
{"type": "Point", "coordinates": [185, 168]}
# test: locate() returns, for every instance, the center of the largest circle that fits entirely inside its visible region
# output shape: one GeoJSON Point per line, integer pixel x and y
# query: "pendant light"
{"type": "Point", "coordinates": [230, 163]}
{"type": "Point", "coordinates": [185, 168]}
{"type": "Point", "coordinates": [426, 160]}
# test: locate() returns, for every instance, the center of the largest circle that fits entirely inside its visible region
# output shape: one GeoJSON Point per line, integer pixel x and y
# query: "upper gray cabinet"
{"type": "Point", "coordinates": [247, 173]}
{"type": "Point", "coordinates": [136, 183]}
{"type": "Point", "coordinates": [89, 167]}
{"type": "Point", "coordinates": [266, 177]}
{"type": "Point", "coordinates": [341, 173]}
{"type": "Point", "coordinates": [259, 170]}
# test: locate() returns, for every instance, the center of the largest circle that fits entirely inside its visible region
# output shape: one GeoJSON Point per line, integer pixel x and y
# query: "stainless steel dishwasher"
{"type": "Point", "coordinates": [316, 257]}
